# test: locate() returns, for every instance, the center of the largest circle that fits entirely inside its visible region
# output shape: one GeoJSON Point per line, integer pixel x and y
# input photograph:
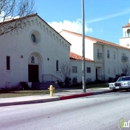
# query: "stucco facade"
{"type": "Point", "coordinates": [109, 58]}
{"type": "Point", "coordinates": [76, 68]}
{"type": "Point", "coordinates": [90, 76]}
{"type": "Point", "coordinates": [30, 53]}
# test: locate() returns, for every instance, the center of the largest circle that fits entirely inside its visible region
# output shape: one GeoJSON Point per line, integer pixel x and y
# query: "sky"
{"type": "Point", "coordinates": [104, 19]}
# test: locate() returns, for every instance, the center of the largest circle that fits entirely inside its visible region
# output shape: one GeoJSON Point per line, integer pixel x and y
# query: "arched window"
{"type": "Point", "coordinates": [33, 37]}
{"type": "Point", "coordinates": [128, 32]}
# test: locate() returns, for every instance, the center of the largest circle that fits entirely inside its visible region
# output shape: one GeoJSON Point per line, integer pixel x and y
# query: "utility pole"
{"type": "Point", "coordinates": [83, 49]}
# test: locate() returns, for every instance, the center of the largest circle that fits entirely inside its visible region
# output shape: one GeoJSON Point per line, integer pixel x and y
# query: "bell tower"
{"type": "Point", "coordinates": [125, 41]}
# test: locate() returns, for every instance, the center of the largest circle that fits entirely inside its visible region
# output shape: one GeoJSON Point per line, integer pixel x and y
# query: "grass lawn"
{"type": "Point", "coordinates": [97, 85]}
{"type": "Point", "coordinates": [43, 92]}
{"type": "Point", "coordinates": [93, 86]}
{"type": "Point", "coordinates": [26, 93]}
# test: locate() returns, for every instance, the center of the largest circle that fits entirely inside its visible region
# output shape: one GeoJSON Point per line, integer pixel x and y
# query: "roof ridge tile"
{"type": "Point", "coordinates": [97, 40]}
{"type": "Point", "coordinates": [78, 57]}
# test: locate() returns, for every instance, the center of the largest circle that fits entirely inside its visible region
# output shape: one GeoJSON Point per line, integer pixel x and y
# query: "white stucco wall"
{"type": "Point", "coordinates": [76, 41]}
{"type": "Point", "coordinates": [89, 49]}
{"type": "Point", "coordinates": [78, 63]}
{"type": "Point", "coordinates": [125, 41]}
{"type": "Point", "coordinates": [112, 66]}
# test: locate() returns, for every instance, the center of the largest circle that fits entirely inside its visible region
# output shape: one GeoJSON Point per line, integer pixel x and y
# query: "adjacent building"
{"type": "Point", "coordinates": [109, 58]}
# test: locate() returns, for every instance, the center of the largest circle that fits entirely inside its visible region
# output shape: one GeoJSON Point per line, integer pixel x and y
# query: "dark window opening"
{"type": "Point", "coordinates": [108, 54]}
{"type": "Point", "coordinates": [57, 65]}
{"type": "Point", "coordinates": [74, 69]}
{"type": "Point", "coordinates": [88, 70]}
{"type": "Point", "coordinates": [8, 62]}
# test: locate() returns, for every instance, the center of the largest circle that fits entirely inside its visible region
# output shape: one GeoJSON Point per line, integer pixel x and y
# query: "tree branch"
{"type": "Point", "coordinates": [10, 9]}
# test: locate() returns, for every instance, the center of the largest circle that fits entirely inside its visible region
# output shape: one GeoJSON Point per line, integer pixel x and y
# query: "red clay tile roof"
{"type": "Point", "coordinates": [78, 57]}
{"type": "Point", "coordinates": [96, 40]}
{"type": "Point", "coordinates": [127, 25]}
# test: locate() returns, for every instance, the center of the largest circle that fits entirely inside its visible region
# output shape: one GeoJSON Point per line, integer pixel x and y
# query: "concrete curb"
{"type": "Point", "coordinates": [29, 102]}
{"type": "Point", "coordinates": [54, 99]}
{"type": "Point", "coordinates": [75, 96]}
{"type": "Point", "coordinates": [102, 92]}
{"type": "Point", "coordinates": [83, 94]}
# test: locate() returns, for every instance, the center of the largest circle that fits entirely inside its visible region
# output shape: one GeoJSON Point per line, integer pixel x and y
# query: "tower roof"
{"type": "Point", "coordinates": [127, 25]}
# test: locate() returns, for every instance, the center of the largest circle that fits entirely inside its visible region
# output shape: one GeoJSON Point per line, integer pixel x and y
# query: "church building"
{"type": "Point", "coordinates": [32, 54]}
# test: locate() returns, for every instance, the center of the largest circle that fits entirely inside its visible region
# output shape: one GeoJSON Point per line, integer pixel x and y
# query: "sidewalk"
{"type": "Point", "coordinates": [67, 94]}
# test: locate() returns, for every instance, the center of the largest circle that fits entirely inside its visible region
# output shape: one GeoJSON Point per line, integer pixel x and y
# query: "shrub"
{"type": "Point", "coordinates": [24, 85]}
{"type": "Point", "coordinates": [110, 79]}
{"type": "Point", "coordinates": [60, 83]}
{"type": "Point", "coordinates": [88, 80]}
{"type": "Point", "coordinates": [67, 81]}
{"type": "Point", "coordinates": [4, 90]}
{"type": "Point", "coordinates": [74, 81]}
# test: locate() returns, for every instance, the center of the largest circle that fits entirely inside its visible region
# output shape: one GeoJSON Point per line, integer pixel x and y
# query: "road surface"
{"type": "Point", "coordinates": [98, 112]}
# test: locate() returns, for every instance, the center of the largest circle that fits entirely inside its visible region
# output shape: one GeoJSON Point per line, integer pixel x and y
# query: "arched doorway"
{"type": "Point", "coordinates": [34, 64]}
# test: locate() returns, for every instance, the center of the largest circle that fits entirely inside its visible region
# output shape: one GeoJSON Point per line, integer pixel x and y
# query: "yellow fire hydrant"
{"type": "Point", "coordinates": [51, 89]}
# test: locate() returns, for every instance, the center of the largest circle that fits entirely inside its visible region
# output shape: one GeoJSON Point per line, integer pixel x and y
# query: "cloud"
{"type": "Point", "coordinates": [3, 18]}
{"type": "Point", "coordinates": [2, 13]}
{"type": "Point", "coordinates": [109, 16]}
{"type": "Point", "coordinates": [75, 26]}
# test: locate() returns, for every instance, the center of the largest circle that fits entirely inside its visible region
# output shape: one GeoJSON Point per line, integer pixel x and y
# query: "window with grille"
{"type": "Point", "coordinates": [88, 69]}
{"type": "Point", "coordinates": [74, 69]}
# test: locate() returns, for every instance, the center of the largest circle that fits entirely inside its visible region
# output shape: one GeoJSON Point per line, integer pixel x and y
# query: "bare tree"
{"type": "Point", "coordinates": [65, 70]}
{"type": "Point", "coordinates": [126, 69]}
{"type": "Point", "coordinates": [13, 13]}
{"type": "Point", "coordinates": [65, 73]}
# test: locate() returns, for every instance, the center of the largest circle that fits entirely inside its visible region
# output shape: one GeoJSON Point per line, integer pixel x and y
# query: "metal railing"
{"type": "Point", "coordinates": [99, 55]}
{"type": "Point", "coordinates": [124, 58]}
{"type": "Point", "coordinates": [50, 78]}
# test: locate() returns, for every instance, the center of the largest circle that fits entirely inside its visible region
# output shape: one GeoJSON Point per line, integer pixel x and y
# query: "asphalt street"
{"type": "Point", "coordinates": [97, 112]}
